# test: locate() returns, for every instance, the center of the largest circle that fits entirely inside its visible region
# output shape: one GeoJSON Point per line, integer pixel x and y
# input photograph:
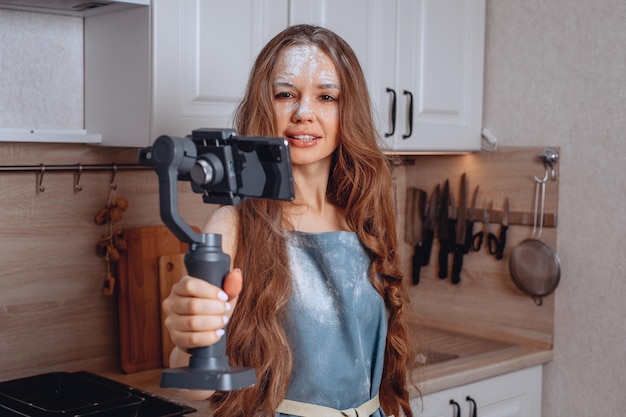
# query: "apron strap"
{"type": "Point", "coordinates": [312, 410]}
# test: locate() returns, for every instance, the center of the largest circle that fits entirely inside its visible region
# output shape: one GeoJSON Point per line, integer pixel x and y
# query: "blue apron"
{"type": "Point", "coordinates": [337, 322]}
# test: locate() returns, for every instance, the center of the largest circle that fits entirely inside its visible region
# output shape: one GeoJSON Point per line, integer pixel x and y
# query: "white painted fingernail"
{"type": "Point", "coordinates": [226, 320]}
{"type": "Point", "coordinates": [222, 296]}
{"type": "Point", "coordinates": [220, 332]}
{"type": "Point", "coordinates": [227, 306]}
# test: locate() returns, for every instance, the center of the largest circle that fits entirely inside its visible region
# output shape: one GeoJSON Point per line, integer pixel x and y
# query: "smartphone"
{"type": "Point", "coordinates": [240, 167]}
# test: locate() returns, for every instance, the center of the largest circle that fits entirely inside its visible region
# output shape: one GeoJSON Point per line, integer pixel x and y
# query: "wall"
{"type": "Point", "coordinates": [53, 315]}
{"type": "Point", "coordinates": [555, 73]}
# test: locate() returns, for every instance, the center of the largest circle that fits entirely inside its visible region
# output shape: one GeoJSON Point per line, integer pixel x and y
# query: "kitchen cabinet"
{"type": "Point", "coordinates": [516, 394]}
{"type": "Point", "coordinates": [432, 57]}
{"type": "Point", "coordinates": [186, 65]}
{"type": "Point", "coordinates": [179, 66]}
{"type": "Point", "coordinates": [423, 60]}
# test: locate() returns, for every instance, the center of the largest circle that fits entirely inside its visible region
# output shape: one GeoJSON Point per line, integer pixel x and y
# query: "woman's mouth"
{"type": "Point", "coordinates": [303, 138]}
{"type": "Point", "coordinates": [303, 141]}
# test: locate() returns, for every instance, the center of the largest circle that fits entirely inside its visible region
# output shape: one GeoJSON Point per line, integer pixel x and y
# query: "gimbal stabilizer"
{"type": "Point", "coordinates": [219, 173]}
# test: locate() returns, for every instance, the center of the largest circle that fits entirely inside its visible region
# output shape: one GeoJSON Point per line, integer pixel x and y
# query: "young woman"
{"type": "Point", "coordinates": [319, 313]}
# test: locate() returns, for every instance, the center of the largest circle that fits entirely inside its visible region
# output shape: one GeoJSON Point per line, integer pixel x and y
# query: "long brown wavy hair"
{"type": "Point", "coordinates": [360, 184]}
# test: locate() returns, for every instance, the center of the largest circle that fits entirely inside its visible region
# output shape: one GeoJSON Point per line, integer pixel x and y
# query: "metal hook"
{"type": "Point", "coordinates": [40, 187]}
{"type": "Point", "coordinates": [112, 182]}
{"type": "Point", "coordinates": [550, 157]}
{"type": "Point", "coordinates": [77, 187]}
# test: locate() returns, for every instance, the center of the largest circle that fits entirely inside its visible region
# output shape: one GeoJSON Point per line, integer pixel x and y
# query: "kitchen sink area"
{"type": "Point", "coordinates": [448, 358]}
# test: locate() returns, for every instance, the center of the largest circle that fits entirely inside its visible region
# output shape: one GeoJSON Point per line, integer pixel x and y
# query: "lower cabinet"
{"type": "Point", "coordinates": [516, 394]}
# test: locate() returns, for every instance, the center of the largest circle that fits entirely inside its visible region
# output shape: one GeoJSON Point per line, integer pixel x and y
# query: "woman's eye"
{"type": "Point", "coordinates": [327, 97]}
{"type": "Point", "coordinates": [283, 94]}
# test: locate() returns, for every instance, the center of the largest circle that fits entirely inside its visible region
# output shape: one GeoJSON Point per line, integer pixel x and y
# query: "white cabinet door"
{"type": "Point", "coordinates": [356, 21]}
{"type": "Point", "coordinates": [203, 52]}
{"type": "Point", "coordinates": [173, 67]}
{"type": "Point", "coordinates": [426, 55]}
{"type": "Point", "coordinates": [438, 75]}
{"type": "Point", "coordinates": [516, 394]}
{"type": "Point", "coordinates": [436, 404]}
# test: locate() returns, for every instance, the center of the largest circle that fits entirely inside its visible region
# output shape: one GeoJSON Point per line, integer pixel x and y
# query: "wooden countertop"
{"type": "Point", "coordinates": [452, 359]}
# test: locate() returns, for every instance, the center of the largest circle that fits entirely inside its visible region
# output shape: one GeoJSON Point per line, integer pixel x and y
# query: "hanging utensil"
{"type": "Point", "coordinates": [477, 239]}
{"type": "Point", "coordinates": [534, 265]}
{"type": "Point", "coordinates": [461, 225]}
{"type": "Point", "coordinates": [428, 231]}
{"type": "Point", "coordinates": [469, 229]}
{"type": "Point", "coordinates": [496, 244]}
{"type": "Point", "coordinates": [443, 231]}
{"type": "Point", "coordinates": [414, 215]}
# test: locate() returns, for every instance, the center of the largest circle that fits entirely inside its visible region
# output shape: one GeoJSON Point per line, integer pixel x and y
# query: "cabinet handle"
{"type": "Point", "coordinates": [472, 406]}
{"type": "Point", "coordinates": [410, 106]}
{"type": "Point", "coordinates": [393, 112]}
{"type": "Point", "coordinates": [457, 406]}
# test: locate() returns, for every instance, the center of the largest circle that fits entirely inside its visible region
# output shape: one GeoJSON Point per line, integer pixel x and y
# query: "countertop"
{"type": "Point", "coordinates": [451, 359]}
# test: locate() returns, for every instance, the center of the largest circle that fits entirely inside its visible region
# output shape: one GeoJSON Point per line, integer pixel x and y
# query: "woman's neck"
{"type": "Point", "coordinates": [311, 211]}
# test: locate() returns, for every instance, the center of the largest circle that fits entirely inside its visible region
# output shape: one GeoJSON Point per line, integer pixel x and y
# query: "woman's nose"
{"type": "Point", "coordinates": [303, 112]}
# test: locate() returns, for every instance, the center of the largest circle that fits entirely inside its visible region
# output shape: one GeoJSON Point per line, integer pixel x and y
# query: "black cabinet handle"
{"type": "Point", "coordinates": [410, 107]}
{"type": "Point", "coordinates": [472, 406]}
{"type": "Point", "coordinates": [457, 406]}
{"type": "Point", "coordinates": [393, 112]}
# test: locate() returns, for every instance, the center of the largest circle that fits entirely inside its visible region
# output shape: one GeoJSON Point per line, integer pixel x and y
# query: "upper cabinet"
{"type": "Point", "coordinates": [184, 65]}
{"type": "Point", "coordinates": [180, 66]}
{"type": "Point", "coordinates": [423, 60]}
{"type": "Point", "coordinates": [433, 52]}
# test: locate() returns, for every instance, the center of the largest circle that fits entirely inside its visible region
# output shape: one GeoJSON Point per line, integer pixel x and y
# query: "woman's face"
{"type": "Point", "coordinates": [306, 94]}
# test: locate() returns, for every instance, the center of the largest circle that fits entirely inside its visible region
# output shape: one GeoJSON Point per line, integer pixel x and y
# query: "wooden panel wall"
{"type": "Point", "coordinates": [486, 301]}
{"type": "Point", "coordinates": [53, 315]}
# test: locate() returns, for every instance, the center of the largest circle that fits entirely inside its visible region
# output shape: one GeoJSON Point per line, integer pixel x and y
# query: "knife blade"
{"type": "Point", "coordinates": [416, 204]}
{"type": "Point", "coordinates": [469, 231]}
{"type": "Point", "coordinates": [428, 232]}
{"type": "Point", "coordinates": [409, 216]}
{"type": "Point", "coordinates": [503, 228]}
{"type": "Point", "coordinates": [442, 231]}
{"type": "Point", "coordinates": [461, 226]}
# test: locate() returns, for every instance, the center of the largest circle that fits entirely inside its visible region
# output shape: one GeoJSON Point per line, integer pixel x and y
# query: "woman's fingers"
{"type": "Point", "coordinates": [197, 311]}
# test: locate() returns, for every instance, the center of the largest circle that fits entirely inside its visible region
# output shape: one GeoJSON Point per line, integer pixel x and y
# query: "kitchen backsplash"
{"type": "Point", "coordinates": [52, 312]}
{"type": "Point", "coordinates": [486, 300]}
{"type": "Point", "coordinates": [53, 315]}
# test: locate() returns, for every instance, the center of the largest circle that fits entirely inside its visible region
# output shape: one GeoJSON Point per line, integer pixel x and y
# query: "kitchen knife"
{"type": "Point", "coordinates": [469, 231]}
{"type": "Point", "coordinates": [428, 231]}
{"type": "Point", "coordinates": [419, 207]}
{"type": "Point", "coordinates": [461, 225]}
{"type": "Point", "coordinates": [503, 229]}
{"type": "Point", "coordinates": [443, 230]}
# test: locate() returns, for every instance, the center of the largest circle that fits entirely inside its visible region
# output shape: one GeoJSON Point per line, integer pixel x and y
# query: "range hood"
{"type": "Point", "coordinates": [78, 8]}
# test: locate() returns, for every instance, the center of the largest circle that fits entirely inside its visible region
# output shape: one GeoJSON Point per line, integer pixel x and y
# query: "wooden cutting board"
{"type": "Point", "coordinates": [140, 296]}
{"type": "Point", "coordinates": [171, 268]}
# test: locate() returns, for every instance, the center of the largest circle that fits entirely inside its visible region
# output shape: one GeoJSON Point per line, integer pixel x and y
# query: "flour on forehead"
{"type": "Point", "coordinates": [303, 59]}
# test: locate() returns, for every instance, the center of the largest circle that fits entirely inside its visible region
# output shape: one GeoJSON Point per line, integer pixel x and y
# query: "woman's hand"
{"type": "Point", "coordinates": [196, 311]}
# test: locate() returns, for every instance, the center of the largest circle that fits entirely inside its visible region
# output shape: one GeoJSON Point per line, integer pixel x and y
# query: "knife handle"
{"type": "Point", "coordinates": [443, 258]}
{"type": "Point", "coordinates": [501, 242]}
{"type": "Point", "coordinates": [427, 246]}
{"type": "Point", "coordinates": [457, 263]}
{"type": "Point", "coordinates": [417, 263]}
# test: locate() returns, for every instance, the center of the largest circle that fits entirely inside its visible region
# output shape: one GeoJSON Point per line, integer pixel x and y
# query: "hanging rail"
{"type": "Point", "coordinates": [72, 168]}
{"type": "Point", "coordinates": [78, 169]}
